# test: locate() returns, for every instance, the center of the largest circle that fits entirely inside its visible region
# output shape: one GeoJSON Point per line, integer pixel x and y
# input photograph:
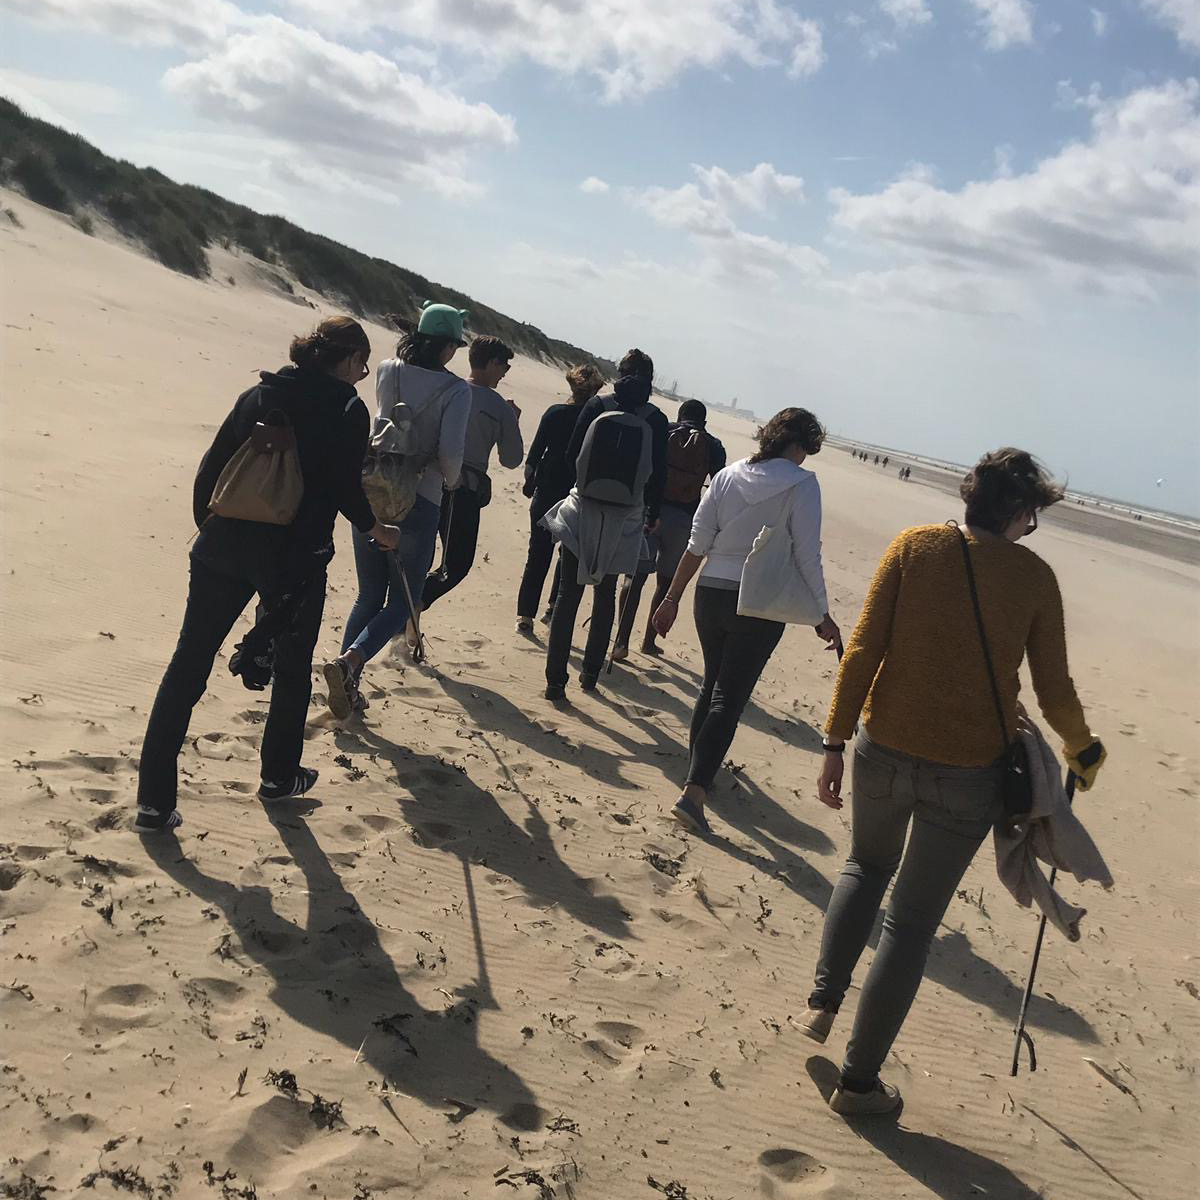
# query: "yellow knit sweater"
{"type": "Point", "coordinates": [914, 668]}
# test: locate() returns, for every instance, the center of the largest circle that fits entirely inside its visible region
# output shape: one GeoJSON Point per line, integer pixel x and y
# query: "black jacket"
{"type": "Point", "coordinates": [629, 393]}
{"type": "Point", "coordinates": [547, 471]}
{"type": "Point", "coordinates": [332, 427]}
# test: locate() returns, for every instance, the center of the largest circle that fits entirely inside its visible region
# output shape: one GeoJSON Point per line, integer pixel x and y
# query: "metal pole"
{"type": "Point", "coordinates": [1021, 1034]}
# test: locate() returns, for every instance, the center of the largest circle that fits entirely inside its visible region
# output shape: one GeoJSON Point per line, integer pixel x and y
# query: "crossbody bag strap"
{"type": "Point", "coordinates": [987, 654]}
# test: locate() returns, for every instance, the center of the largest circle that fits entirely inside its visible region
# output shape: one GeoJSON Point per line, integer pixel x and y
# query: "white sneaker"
{"type": "Point", "coordinates": [816, 1024]}
{"type": "Point", "coordinates": [882, 1098]}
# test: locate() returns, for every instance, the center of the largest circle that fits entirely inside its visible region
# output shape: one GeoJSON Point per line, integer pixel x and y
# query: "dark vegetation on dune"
{"type": "Point", "coordinates": [176, 223]}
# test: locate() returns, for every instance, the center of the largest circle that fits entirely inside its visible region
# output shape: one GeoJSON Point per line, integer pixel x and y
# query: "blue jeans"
{"type": "Point", "coordinates": [951, 810]}
{"type": "Point", "coordinates": [381, 610]}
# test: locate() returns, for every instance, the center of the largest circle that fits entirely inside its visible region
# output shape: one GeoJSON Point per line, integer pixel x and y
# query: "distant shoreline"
{"type": "Point", "coordinates": [1169, 534]}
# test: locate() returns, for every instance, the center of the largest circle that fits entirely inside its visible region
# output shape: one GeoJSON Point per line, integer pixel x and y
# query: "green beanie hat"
{"type": "Point", "coordinates": [442, 320]}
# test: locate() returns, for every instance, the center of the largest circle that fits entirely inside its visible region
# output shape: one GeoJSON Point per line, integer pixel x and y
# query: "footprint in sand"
{"type": "Point", "coordinates": [526, 1117]}
{"type": "Point", "coordinates": [10, 875]}
{"type": "Point", "coordinates": [432, 834]}
{"type": "Point", "coordinates": [792, 1173]}
{"type": "Point", "coordinates": [125, 1006]}
{"type": "Point", "coordinates": [615, 1042]}
{"type": "Point", "coordinates": [96, 795]}
{"type": "Point", "coordinates": [379, 823]}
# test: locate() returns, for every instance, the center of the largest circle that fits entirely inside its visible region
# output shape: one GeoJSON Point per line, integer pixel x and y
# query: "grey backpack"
{"type": "Point", "coordinates": [404, 441]}
{"type": "Point", "coordinates": [616, 459]}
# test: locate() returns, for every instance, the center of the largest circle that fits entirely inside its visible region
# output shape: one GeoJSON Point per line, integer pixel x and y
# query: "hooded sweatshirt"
{"type": "Point", "coordinates": [742, 499]}
{"type": "Point", "coordinates": [331, 426]}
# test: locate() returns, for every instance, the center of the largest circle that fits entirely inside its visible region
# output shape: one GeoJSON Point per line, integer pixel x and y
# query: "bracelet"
{"type": "Point", "coordinates": [673, 599]}
{"type": "Point", "coordinates": [834, 748]}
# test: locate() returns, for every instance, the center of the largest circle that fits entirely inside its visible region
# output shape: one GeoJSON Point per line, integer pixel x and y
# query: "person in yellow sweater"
{"type": "Point", "coordinates": [929, 748]}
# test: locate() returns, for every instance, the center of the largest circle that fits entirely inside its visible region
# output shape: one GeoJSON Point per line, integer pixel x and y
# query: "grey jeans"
{"type": "Point", "coordinates": [951, 810]}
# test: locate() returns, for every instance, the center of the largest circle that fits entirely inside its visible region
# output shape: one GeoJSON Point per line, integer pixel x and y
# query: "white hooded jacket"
{"type": "Point", "coordinates": [742, 499]}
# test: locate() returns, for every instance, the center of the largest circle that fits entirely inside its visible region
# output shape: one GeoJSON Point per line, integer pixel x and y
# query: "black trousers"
{"type": "Point", "coordinates": [736, 650]}
{"type": "Point", "coordinates": [459, 532]}
{"type": "Point", "coordinates": [214, 603]}
{"type": "Point", "coordinates": [537, 562]}
{"type": "Point", "coordinates": [562, 626]}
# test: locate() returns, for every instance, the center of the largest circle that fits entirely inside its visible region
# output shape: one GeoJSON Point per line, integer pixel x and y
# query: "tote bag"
{"type": "Point", "coordinates": [772, 587]}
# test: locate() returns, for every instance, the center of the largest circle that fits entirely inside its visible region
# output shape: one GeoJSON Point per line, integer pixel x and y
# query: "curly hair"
{"type": "Point", "coordinates": [791, 427]}
{"type": "Point", "coordinates": [585, 381]}
{"type": "Point", "coordinates": [1004, 484]}
{"type": "Point", "coordinates": [331, 343]}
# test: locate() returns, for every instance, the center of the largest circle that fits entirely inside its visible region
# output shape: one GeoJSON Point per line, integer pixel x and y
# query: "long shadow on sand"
{"type": "Point", "coordinates": [453, 814]}
{"type": "Point", "coordinates": [945, 1168]}
{"type": "Point", "coordinates": [332, 975]}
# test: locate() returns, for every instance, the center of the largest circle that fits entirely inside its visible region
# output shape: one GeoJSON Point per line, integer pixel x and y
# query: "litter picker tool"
{"type": "Point", "coordinates": [1022, 1034]}
{"type": "Point", "coordinates": [414, 613]}
{"type": "Point", "coordinates": [447, 521]}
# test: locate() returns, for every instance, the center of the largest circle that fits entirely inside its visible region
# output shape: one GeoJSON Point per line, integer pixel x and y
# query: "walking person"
{"type": "Point", "coordinates": [694, 457]}
{"type": "Point", "coordinates": [438, 403]}
{"type": "Point", "coordinates": [931, 745]}
{"type": "Point", "coordinates": [285, 563]}
{"type": "Point", "coordinates": [618, 456]}
{"type": "Point", "coordinates": [771, 488]}
{"type": "Point", "coordinates": [494, 423]}
{"type": "Point", "coordinates": [548, 479]}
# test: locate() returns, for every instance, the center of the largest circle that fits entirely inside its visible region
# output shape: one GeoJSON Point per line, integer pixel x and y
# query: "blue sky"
{"type": "Point", "coordinates": [940, 224]}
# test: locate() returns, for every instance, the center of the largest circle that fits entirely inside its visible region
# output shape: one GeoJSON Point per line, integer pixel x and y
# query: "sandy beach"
{"type": "Point", "coordinates": [479, 961]}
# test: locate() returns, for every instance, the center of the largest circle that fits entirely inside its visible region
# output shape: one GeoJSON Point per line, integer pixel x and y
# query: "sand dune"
{"type": "Point", "coordinates": [478, 962]}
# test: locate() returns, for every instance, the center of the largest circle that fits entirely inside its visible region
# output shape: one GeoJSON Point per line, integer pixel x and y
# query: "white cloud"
{"type": "Point", "coordinates": [631, 47]}
{"type": "Point", "coordinates": [592, 186]}
{"type": "Point", "coordinates": [906, 12]}
{"type": "Point", "coordinates": [1099, 22]}
{"type": "Point", "coordinates": [707, 211]}
{"type": "Point", "coordinates": [808, 53]}
{"type": "Point", "coordinates": [353, 113]}
{"type": "Point", "coordinates": [191, 24]}
{"type": "Point", "coordinates": [1181, 16]}
{"type": "Point", "coordinates": [1118, 213]}
{"type": "Point", "coordinates": [1005, 22]}
{"type": "Point", "coordinates": [66, 103]}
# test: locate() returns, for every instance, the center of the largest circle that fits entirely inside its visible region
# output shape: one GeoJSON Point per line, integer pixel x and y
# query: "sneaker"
{"type": "Point", "coordinates": [150, 820]}
{"type": "Point", "coordinates": [651, 648]}
{"type": "Point", "coordinates": [816, 1024]}
{"type": "Point", "coordinates": [691, 817]}
{"type": "Point", "coordinates": [548, 616]}
{"type": "Point", "coordinates": [524, 624]}
{"type": "Point", "coordinates": [304, 780]}
{"type": "Point", "coordinates": [620, 653]}
{"type": "Point", "coordinates": [587, 683]}
{"type": "Point", "coordinates": [341, 688]}
{"type": "Point", "coordinates": [556, 693]}
{"type": "Point", "coordinates": [882, 1098]}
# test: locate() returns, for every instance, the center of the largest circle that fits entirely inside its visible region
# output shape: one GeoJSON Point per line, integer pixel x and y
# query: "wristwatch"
{"type": "Point", "coordinates": [833, 747]}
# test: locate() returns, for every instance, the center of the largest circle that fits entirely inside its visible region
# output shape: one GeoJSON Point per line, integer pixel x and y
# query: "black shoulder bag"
{"type": "Point", "coordinates": [1016, 787]}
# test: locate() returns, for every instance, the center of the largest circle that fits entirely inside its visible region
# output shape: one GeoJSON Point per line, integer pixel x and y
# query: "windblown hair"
{"type": "Point", "coordinates": [638, 363]}
{"type": "Point", "coordinates": [791, 427]}
{"type": "Point", "coordinates": [585, 380]}
{"type": "Point", "coordinates": [423, 350]}
{"type": "Point", "coordinates": [1004, 484]}
{"type": "Point", "coordinates": [487, 350]}
{"type": "Point", "coordinates": [331, 343]}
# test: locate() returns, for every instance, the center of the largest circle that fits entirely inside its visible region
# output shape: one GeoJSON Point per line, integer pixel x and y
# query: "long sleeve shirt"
{"type": "Point", "coordinates": [914, 667]}
{"type": "Point", "coordinates": [492, 424]}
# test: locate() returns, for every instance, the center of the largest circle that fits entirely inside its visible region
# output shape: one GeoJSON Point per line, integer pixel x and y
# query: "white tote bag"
{"type": "Point", "coordinates": [772, 587]}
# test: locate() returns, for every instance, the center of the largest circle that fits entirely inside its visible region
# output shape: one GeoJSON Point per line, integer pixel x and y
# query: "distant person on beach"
{"type": "Point", "coordinates": [694, 457]}
{"type": "Point", "coordinates": [285, 564]}
{"type": "Point", "coordinates": [885, 461]}
{"type": "Point", "coordinates": [548, 478]}
{"type": "Point", "coordinates": [770, 488]}
{"type": "Point", "coordinates": [494, 424]}
{"type": "Point", "coordinates": [930, 744]}
{"type": "Point", "coordinates": [618, 456]}
{"type": "Point", "coordinates": [389, 583]}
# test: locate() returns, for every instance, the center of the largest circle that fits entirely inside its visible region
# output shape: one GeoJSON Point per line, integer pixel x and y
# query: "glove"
{"type": "Point", "coordinates": [1086, 764]}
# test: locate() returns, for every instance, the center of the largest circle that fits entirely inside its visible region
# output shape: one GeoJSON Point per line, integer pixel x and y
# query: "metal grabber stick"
{"type": "Point", "coordinates": [1022, 1034]}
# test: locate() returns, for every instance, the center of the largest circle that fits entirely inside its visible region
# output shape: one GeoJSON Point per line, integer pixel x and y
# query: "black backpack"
{"type": "Point", "coordinates": [616, 459]}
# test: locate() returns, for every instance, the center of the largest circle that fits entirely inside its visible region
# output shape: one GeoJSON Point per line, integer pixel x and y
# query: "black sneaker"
{"type": "Point", "coordinates": [556, 693]}
{"type": "Point", "coordinates": [150, 820]}
{"type": "Point", "coordinates": [587, 683]}
{"type": "Point", "coordinates": [304, 780]}
{"type": "Point", "coordinates": [548, 616]}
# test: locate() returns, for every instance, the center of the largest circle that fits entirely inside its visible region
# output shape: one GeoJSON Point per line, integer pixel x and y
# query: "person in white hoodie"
{"type": "Point", "coordinates": [761, 490]}
{"type": "Point", "coordinates": [381, 609]}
